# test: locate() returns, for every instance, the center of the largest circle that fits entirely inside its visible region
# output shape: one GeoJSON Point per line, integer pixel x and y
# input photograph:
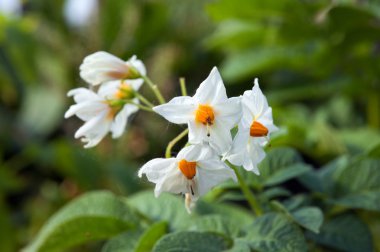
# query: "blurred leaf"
{"type": "Point", "coordinates": [166, 207]}
{"type": "Point", "coordinates": [192, 241]}
{"type": "Point", "coordinates": [286, 174]}
{"type": "Point", "coordinates": [216, 223]}
{"type": "Point", "coordinates": [309, 217]}
{"type": "Point", "coordinates": [280, 164]}
{"type": "Point", "coordinates": [274, 232]}
{"type": "Point", "coordinates": [233, 212]}
{"type": "Point", "coordinates": [345, 232]}
{"type": "Point", "coordinates": [140, 240]}
{"type": "Point", "coordinates": [358, 183]}
{"type": "Point", "coordinates": [275, 192]}
{"type": "Point", "coordinates": [93, 216]}
{"type": "Point", "coordinates": [374, 151]}
{"type": "Point", "coordinates": [7, 231]}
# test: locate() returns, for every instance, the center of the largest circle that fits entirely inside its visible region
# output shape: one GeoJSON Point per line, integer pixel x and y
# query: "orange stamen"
{"type": "Point", "coordinates": [205, 114]}
{"type": "Point", "coordinates": [125, 91]}
{"type": "Point", "coordinates": [187, 168]}
{"type": "Point", "coordinates": [258, 130]}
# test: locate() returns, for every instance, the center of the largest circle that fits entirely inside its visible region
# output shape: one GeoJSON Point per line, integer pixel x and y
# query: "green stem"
{"type": "Point", "coordinates": [143, 107]}
{"type": "Point", "coordinates": [155, 89]}
{"type": "Point", "coordinates": [173, 142]}
{"type": "Point", "coordinates": [182, 83]}
{"type": "Point", "coordinates": [144, 100]}
{"type": "Point", "coordinates": [253, 203]}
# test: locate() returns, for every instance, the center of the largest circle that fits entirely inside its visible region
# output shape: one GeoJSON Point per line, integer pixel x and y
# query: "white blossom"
{"type": "Point", "coordinates": [254, 130]}
{"type": "Point", "coordinates": [210, 115]}
{"type": "Point", "coordinates": [194, 171]}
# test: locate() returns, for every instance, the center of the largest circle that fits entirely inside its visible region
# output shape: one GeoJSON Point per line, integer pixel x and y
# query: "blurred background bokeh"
{"type": "Point", "coordinates": [318, 63]}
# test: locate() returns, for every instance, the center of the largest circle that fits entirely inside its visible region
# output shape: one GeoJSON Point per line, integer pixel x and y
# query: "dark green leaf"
{"type": "Point", "coordinates": [139, 240]}
{"type": "Point", "coordinates": [309, 217]}
{"type": "Point", "coordinates": [192, 241]}
{"type": "Point", "coordinates": [275, 232]}
{"type": "Point", "coordinates": [93, 216]}
{"type": "Point", "coordinates": [345, 232]}
{"type": "Point", "coordinates": [218, 224]}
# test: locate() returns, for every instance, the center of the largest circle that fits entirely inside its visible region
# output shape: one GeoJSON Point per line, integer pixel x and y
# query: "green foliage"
{"type": "Point", "coordinates": [94, 216]}
{"type": "Point", "coordinates": [192, 241]}
{"type": "Point", "coordinates": [344, 232]}
{"type": "Point", "coordinates": [274, 232]}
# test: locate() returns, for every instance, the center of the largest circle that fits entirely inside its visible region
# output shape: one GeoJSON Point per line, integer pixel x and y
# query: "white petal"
{"type": "Point", "coordinates": [92, 125]}
{"type": "Point", "coordinates": [211, 90]}
{"type": "Point", "coordinates": [174, 182]}
{"type": "Point", "coordinates": [138, 64]}
{"type": "Point", "coordinates": [86, 110]}
{"type": "Point", "coordinates": [255, 100]}
{"type": "Point", "coordinates": [96, 67]}
{"type": "Point", "coordinates": [239, 146]}
{"type": "Point", "coordinates": [195, 153]}
{"type": "Point", "coordinates": [220, 137]}
{"type": "Point", "coordinates": [197, 132]}
{"type": "Point", "coordinates": [211, 173]}
{"type": "Point", "coordinates": [83, 94]}
{"type": "Point", "coordinates": [156, 169]}
{"type": "Point", "coordinates": [120, 121]}
{"type": "Point", "coordinates": [179, 110]}
{"type": "Point", "coordinates": [254, 155]}
{"type": "Point", "coordinates": [228, 112]}
{"type": "Point", "coordinates": [108, 89]}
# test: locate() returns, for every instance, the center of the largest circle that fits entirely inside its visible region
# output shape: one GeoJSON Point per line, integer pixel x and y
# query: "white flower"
{"type": "Point", "coordinates": [209, 113]}
{"type": "Point", "coordinates": [254, 130]}
{"type": "Point", "coordinates": [194, 171]}
{"type": "Point", "coordinates": [101, 67]}
{"type": "Point", "coordinates": [104, 111]}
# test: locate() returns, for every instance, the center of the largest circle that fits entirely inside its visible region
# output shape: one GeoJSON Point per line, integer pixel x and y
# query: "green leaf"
{"type": "Point", "coordinates": [279, 165]}
{"type": "Point", "coordinates": [218, 224]}
{"type": "Point", "coordinates": [286, 174]}
{"type": "Point", "coordinates": [309, 217]}
{"type": "Point", "coordinates": [237, 214]}
{"type": "Point", "coordinates": [275, 232]}
{"type": "Point", "coordinates": [140, 240]}
{"type": "Point", "coordinates": [166, 207]}
{"type": "Point", "coordinates": [357, 185]}
{"type": "Point", "coordinates": [192, 241]}
{"type": "Point", "coordinates": [345, 232]}
{"type": "Point", "coordinates": [93, 216]}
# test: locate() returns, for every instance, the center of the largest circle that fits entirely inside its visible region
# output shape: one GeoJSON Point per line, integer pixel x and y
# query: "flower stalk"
{"type": "Point", "coordinates": [168, 152]}
{"type": "Point", "coordinates": [252, 201]}
{"type": "Point", "coordinates": [155, 89]}
{"type": "Point", "coordinates": [182, 83]}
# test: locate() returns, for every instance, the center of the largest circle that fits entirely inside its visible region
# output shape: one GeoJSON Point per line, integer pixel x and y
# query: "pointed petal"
{"type": "Point", "coordinates": [211, 90]}
{"type": "Point", "coordinates": [255, 154]}
{"type": "Point", "coordinates": [83, 94]}
{"type": "Point", "coordinates": [197, 132]}
{"type": "Point", "coordinates": [211, 173]}
{"type": "Point", "coordinates": [195, 153]}
{"type": "Point", "coordinates": [120, 121]}
{"type": "Point", "coordinates": [255, 100]}
{"type": "Point", "coordinates": [220, 137]}
{"type": "Point", "coordinates": [239, 146]}
{"type": "Point", "coordinates": [138, 64]}
{"type": "Point", "coordinates": [229, 111]}
{"type": "Point", "coordinates": [179, 110]}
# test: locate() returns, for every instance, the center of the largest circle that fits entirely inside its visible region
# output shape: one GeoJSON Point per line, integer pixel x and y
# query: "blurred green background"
{"type": "Point", "coordinates": [318, 63]}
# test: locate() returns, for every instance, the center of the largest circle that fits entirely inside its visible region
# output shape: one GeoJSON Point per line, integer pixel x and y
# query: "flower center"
{"type": "Point", "coordinates": [205, 114]}
{"type": "Point", "coordinates": [187, 168]}
{"type": "Point", "coordinates": [125, 91]}
{"type": "Point", "coordinates": [258, 130]}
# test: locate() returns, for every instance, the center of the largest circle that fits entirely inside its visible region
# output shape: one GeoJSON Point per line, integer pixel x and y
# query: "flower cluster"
{"type": "Point", "coordinates": [210, 116]}
{"type": "Point", "coordinates": [108, 108]}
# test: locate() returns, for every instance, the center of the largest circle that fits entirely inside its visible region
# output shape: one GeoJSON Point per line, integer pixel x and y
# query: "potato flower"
{"type": "Point", "coordinates": [101, 67]}
{"type": "Point", "coordinates": [195, 170]}
{"type": "Point", "coordinates": [254, 130]}
{"type": "Point", "coordinates": [210, 115]}
{"type": "Point", "coordinates": [105, 111]}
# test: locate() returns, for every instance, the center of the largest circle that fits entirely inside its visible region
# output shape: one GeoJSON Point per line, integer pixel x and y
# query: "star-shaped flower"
{"type": "Point", "coordinates": [254, 130]}
{"type": "Point", "coordinates": [194, 171]}
{"type": "Point", "coordinates": [209, 113]}
{"type": "Point", "coordinates": [101, 67]}
{"type": "Point", "coordinates": [103, 112]}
